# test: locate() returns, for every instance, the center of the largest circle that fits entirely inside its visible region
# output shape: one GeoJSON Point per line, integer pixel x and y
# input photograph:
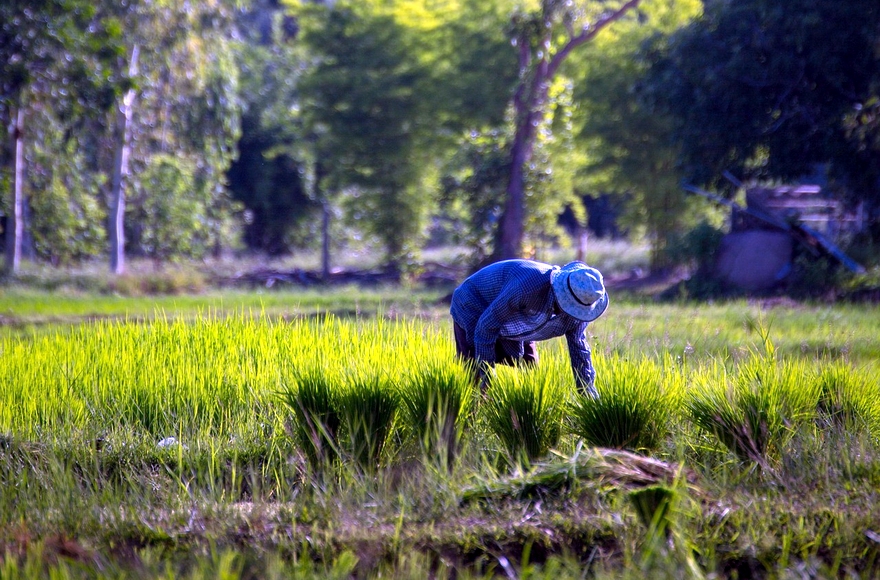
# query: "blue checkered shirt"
{"type": "Point", "coordinates": [513, 300]}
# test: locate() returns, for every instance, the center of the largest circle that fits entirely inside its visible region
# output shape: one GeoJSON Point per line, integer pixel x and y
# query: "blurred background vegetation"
{"type": "Point", "coordinates": [387, 130]}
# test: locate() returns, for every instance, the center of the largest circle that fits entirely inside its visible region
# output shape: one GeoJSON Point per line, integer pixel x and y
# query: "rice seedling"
{"type": "Point", "coordinates": [524, 410]}
{"type": "Point", "coordinates": [848, 399]}
{"type": "Point", "coordinates": [367, 409]}
{"type": "Point", "coordinates": [753, 410]}
{"type": "Point", "coordinates": [435, 399]}
{"type": "Point", "coordinates": [314, 401]}
{"type": "Point", "coordinates": [83, 410]}
{"type": "Point", "coordinates": [635, 405]}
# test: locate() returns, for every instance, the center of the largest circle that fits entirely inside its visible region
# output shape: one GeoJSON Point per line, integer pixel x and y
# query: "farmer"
{"type": "Point", "coordinates": [500, 312]}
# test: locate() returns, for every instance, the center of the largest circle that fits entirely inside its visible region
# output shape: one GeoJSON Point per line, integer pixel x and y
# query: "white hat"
{"type": "Point", "coordinates": [580, 291]}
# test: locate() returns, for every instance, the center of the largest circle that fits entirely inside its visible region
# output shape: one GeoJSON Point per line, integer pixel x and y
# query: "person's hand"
{"type": "Point", "coordinates": [485, 372]}
{"type": "Point", "coordinates": [588, 389]}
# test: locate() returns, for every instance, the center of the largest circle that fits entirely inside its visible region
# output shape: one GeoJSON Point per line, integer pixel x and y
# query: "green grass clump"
{"type": "Point", "coordinates": [848, 399]}
{"type": "Point", "coordinates": [434, 400]}
{"type": "Point", "coordinates": [754, 410]}
{"type": "Point", "coordinates": [368, 407]}
{"type": "Point", "coordinates": [524, 409]}
{"type": "Point", "coordinates": [315, 406]}
{"type": "Point", "coordinates": [635, 406]}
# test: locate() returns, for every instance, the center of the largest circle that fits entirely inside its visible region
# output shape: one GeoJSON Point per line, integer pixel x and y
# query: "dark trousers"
{"type": "Point", "coordinates": [467, 352]}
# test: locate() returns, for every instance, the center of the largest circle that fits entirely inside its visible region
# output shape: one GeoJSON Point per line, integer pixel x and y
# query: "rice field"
{"type": "Point", "coordinates": [332, 439]}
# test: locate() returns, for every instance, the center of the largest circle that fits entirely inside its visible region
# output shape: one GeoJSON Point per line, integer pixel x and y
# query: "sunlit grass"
{"type": "Point", "coordinates": [636, 405]}
{"type": "Point", "coordinates": [436, 399]}
{"type": "Point", "coordinates": [242, 393]}
{"type": "Point", "coordinates": [313, 400]}
{"type": "Point", "coordinates": [849, 398]}
{"type": "Point", "coordinates": [754, 408]}
{"type": "Point", "coordinates": [524, 409]}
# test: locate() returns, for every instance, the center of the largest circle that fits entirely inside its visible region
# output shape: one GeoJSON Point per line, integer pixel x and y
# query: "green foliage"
{"type": "Point", "coordinates": [756, 89]}
{"type": "Point", "coordinates": [66, 42]}
{"type": "Point", "coordinates": [64, 198]}
{"type": "Point", "coordinates": [524, 410]}
{"type": "Point", "coordinates": [269, 174]}
{"type": "Point", "coordinates": [183, 96]}
{"type": "Point", "coordinates": [473, 188]}
{"type": "Point", "coordinates": [367, 112]}
{"type": "Point", "coordinates": [268, 183]}
{"type": "Point", "coordinates": [697, 248]}
{"type": "Point", "coordinates": [392, 86]}
{"type": "Point", "coordinates": [636, 405]}
{"type": "Point", "coordinates": [435, 400]}
{"type": "Point", "coordinates": [171, 220]}
{"type": "Point", "coordinates": [755, 411]}
{"type": "Point", "coordinates": [314, 401]}
{"type": "Point", "coordinates": [815, 276]}
{"type": "Point", "coordinates": [629, 151]}
{"type": "Point", "coordinates": [552, 176]}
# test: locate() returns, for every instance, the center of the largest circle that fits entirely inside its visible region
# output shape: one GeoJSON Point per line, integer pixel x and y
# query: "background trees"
{"type": "Point", "coordinates": [544, 38]}
{"type": "Point", "coordinates": [53, 56]}
{"type": "Point", "coordinates": [176, 125]}
{"type": "Point", "coordinates": [170, 130]}
{"type": "Point", "coordinates": [366, 104]}
{"type": "Point", "coordinates": [268, 174]}
{"type": "Point", "coordinates": [767, 89]}
{"type": "Point", "coordinates": [629, 152]}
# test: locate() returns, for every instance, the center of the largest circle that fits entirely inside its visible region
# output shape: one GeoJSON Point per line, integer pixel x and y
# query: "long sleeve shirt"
{"type": "Point", "coordinates": [513, 300]}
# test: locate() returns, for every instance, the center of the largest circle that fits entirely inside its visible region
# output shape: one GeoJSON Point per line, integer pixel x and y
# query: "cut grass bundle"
{"type": "Point", "coordinates": [755, 411]}
{"type": "Point", "coordinates": [608, 468]}
{"type": "Point", "coordinates": [525, 410]}
{"type": "Point", "coordinates": [848, 399]}
{"type": "Point", "coordinates": [314, 403]}
{"type": "Point", "coordinates": [634, 407]}
{"type": "Point", "coordinates": [367, 408]}
{"type": "Point", "coordinates": [433, 401]}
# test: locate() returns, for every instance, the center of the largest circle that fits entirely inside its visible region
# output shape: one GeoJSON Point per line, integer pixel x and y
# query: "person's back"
{"type": "Point", "coordinates": [522, 280]}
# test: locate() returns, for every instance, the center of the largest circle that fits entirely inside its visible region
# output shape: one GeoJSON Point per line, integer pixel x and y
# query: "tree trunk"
{"type": "Point", "coordinates": [325, 240]}
{"type": "Point", "coordinates": [510, 239]}
{"type": "Point", "coordinates": [318, 193]}
{"type": "Point", "coordinates": [15, 221]}
{"type": "Point", "coordinates": [120, 173]}
{"type": "Point", "coordinates": [529, 112]}
{"type": "Point", "coordinates": [535, 72]}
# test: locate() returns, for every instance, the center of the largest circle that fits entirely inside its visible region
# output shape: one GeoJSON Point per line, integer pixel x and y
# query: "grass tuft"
{"type": "Point", "coordinates": [754, 411]}
{"type": "Point", "coordinates": [524, 410]}
{"type": "Point", "coordinates": [848, 399]}
{"type": "Point", "coordinates": [634, 407]}
{"type": "Point", "coordinates": [434, 400]}
{"type": "Point", "coordinates": [314, 403]}
{"type": "Point", "coordinates": [368, 407]}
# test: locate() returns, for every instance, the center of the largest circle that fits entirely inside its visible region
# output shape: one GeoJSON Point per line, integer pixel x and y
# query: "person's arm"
{"type": "Point", "coordinates": [582, 360]}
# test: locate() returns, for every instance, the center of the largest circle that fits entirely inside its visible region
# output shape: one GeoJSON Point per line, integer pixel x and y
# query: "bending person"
{"type": "Point", "coordinates": [501, 311]}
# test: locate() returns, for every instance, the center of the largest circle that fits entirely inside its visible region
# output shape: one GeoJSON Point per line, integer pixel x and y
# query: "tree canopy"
{"type": "Point", "coordinates": [170, 130]}
{"type": "Point", "coordinates": [770, 89]}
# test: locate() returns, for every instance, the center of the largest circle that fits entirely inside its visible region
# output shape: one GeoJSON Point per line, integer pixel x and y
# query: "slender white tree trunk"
{"type": "Point", "coordinates": [318, 193]}
{"type": "Point", "coordinates": [325, 240]}
{"type": "Point", "coordinates": [120, 172]}
{"type": "Point", "coordinates": [15, 221]}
